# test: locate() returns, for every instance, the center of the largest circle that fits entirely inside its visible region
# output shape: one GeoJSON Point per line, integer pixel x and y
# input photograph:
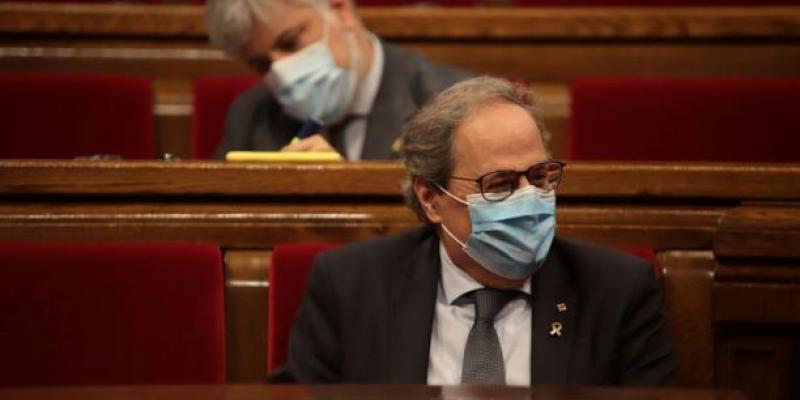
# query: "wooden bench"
{"type": "Point", "coordinates": [726, 237]}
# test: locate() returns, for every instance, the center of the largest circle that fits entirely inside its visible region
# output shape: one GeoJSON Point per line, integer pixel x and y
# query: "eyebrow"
{"type": "Point", "coordinates": [288, 37]}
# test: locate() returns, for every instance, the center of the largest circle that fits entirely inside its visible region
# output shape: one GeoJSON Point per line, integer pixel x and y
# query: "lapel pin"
{"type": "Point", "coordinates": [555, 329]}
{"type": "Point", "coordinates": [561, 307]}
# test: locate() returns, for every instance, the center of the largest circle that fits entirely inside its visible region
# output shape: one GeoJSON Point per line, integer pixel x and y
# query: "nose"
{"type": "Point", "coordinates": [522, 181]}
{"type": "Point", "coordinates": [277, 55]}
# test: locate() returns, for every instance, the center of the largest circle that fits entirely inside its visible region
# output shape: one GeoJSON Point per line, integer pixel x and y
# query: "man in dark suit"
{"type": "Point", "coordinates": [327, 79]}
{"type": "Point", "coordinates": [485, 292]}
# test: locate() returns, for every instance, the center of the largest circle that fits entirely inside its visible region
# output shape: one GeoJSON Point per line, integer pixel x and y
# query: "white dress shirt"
{"type": "Point", "coordinates": [452, 323]}
{"type": "Point", "coordinates": [356, 131]}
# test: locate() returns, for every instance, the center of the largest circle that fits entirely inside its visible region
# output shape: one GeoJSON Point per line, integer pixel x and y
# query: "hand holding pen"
{"type": "Point", "coordinates": [308, 138]}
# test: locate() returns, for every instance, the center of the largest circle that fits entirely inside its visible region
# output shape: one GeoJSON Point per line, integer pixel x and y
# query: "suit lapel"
{"type": "Point", "coordinates": [392, 106]}
{"type": "Point", "coordinates": [412, 302]}
{"type": "Point", "coordinates": [550, 351]}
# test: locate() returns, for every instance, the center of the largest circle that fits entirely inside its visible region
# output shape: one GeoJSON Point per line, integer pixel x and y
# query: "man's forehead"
{"type": "Point", "coordinates": [283, 17]}
{"type": "Point", "coordinates": [500, 136]}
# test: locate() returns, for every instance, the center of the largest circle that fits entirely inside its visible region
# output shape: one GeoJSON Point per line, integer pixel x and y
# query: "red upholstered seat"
{"type": "Point", "coordinates": [100, 313]}
{"type": "Point", "coordinates": [288, 274]}
{"type": "Point", "coordinates": [690, 119]}
{"type": "Point", "coordinates": [71, 115]}
{"type": "Point", "coordinates": [213, 96]}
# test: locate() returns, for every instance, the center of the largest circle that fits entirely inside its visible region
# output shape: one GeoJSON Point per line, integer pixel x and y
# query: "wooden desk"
{"type": "Point", "coordinates": [344, 392]}
{"type": "Point", "coordinates": [726, 237]}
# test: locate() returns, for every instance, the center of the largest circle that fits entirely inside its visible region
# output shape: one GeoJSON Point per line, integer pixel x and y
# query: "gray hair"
{"type": "Point", "coordinates": [230, 22]}
{"type": "Point", "coordinates": [427, 139]}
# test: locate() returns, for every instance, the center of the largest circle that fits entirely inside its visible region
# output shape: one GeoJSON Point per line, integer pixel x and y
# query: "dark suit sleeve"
{"type": "Point", "coordinates": [645, 346]}
{"type": "Point", "coordinates": [314, 352]}
{"type": "Point", "coordinates": [237, 127]}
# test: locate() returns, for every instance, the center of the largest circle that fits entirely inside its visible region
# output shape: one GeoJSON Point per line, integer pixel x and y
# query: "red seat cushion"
{"type": "Point", "coordinates": [84, 313]}
{"type": "Point", "coordinates": [689, 119]}
{"type": "Point", "coordinates": [288, 275]}
{"type": "Point", "coordinates": [71, 115]}
{"type": "Point", "coordinates": [213, 96]}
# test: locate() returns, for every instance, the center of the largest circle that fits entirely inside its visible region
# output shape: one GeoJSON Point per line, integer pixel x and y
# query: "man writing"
{"type": "Point", "coordinates": [485, 292]}
{"type": "Point", "coordinates": [329, 82]}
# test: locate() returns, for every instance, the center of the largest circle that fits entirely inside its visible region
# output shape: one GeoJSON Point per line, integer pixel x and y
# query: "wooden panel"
{"type": "Point", "coordinates": [244, 224]}
{"type": "Point", "coordinates": [512, 23]}
{"type": "Point", "coordinates": [116, 19]}
{"type": "Point", "coordinates": [173, 125]}
{"type": "Point", "coordinates": [596, 179]}
{"type": "Point", "coordinates": [553, 62]}
{"type": "Point", "coordinates": [360, 392]}
{"type": "Point", "coordinates": [771, 231]}
{"type": "Point", "coordinates": [246, 319]}
{"type": "Point", "coordinates": [757, 302]}
{"type": "Point", "coordinates": [759, 273]}
{"type": "Point", "coordinates": [565, 61]}
{"type": "Point", "coordinates": [761, 363]}
{"type": "Point", "coordinates": [687, 281]}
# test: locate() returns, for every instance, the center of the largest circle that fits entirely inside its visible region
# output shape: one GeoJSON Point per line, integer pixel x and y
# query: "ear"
{"type": "Point", "coordinates": [428, 197]}
{"type": "Point", "coordinates": [343, 10]}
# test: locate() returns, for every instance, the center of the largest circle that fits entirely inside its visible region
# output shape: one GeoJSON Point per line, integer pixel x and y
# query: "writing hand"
{"type": "Point", "coordinates": [312, 143]}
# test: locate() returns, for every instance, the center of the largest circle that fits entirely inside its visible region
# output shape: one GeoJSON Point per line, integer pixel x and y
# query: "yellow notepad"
{"type": "Point", "coordinates": [284, 156]}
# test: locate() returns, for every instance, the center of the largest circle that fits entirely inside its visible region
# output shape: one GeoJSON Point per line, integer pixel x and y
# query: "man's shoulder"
{"type": "Point", "coordinates": [596, 265]}
{"type": "Point", "coordinates": [379, 249]}
{"type": "Point", "coordinates": [253, 97]}
{"type": "Point", "coordinates": [428, 74]}
{"type": "Point", "coordinates": [369, 264]}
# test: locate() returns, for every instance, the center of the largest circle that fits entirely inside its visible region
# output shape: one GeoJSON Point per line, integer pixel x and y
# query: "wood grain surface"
{"type": "Point", "coordinates": [342, 392]}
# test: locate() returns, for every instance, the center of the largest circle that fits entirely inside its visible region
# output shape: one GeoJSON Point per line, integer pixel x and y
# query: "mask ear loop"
{"type": "Point", "coordinates": [444, 227]}
{"type": "Point", "coordinates": [452, 196]}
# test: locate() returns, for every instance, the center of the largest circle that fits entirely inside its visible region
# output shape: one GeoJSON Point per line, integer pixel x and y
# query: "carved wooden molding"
{"type": "Point", "coordinates": [593, 23]}
{"type": "Point", "coordinates": [688, 282]}
{"type": "Point", "coordinates": [637, 181]}
{"type": "Point", "coordinates": [770, 231]}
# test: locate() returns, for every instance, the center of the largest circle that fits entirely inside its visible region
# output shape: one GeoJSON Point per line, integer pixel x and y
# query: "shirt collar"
{"type": "Point", "coordinates": [456, 282]}
{"type": "Point", "coordinates": [368, 89]}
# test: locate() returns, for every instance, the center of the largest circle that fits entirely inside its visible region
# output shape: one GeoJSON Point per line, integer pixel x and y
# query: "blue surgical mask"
{"type": "Point", "coordinates": [510, 238]}
{"type": "Point", "coordinates": [310, 84]}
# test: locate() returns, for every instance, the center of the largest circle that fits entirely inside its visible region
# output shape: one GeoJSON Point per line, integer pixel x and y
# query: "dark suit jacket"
{"type": "Point", "coordinates": [256, 121]}
{"type": "Point", "coordinates": [368, 311]}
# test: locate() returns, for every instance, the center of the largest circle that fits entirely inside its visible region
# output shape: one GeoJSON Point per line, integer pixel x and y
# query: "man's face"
{"type": "Point", "coordinates": [499, 136]}
{"type": "Point", "coordinates": [297, 28]}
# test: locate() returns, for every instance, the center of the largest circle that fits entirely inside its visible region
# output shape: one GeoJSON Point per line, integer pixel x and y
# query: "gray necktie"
{"type": "Point", "coordinates": [483, 357]}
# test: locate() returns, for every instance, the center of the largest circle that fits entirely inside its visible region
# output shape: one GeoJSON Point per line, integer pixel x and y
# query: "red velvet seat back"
{"type": "Point", "coordinates": [86, 313]}
{"type": "Point", "coordinates": [288, 274]}
{"type": "Point", "coordinates": [213, 96]}
{"type": "Point", "coordinates": [71, 115]}
{"type": "Point", "coordinates": [689, 119]}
